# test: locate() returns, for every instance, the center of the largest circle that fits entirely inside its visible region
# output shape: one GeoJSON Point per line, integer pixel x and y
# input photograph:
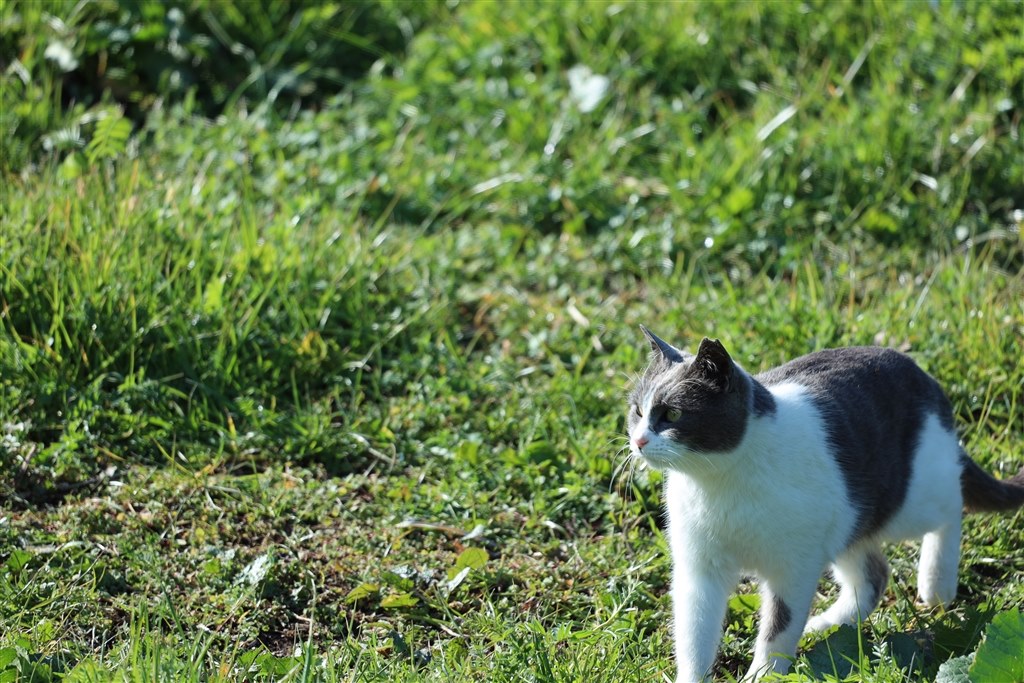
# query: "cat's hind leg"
{"type": "Point", "coordinates": [934, 508]}
{"type": "Point", "coordinates": [785, 602]}
{"type": "Point", "coordinates": [862, 573]}
{"type": "Point", "coordinates": [937, 569]}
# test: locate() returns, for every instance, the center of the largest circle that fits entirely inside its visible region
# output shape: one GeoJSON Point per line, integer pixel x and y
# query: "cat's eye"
{"type": "Point", "coordinates": [673, 414]}
{"type": "Point", "coordinates": [637, 411]}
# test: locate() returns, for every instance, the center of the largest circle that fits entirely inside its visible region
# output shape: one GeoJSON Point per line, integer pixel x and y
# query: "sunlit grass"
{"type": "Point", "coordinates": [266, 378]}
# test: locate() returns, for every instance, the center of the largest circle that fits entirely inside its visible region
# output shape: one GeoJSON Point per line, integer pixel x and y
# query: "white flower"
{"type": "Point", "coordinates": [586, 88]}
{"type": "Point", "coordinates": [61, 53]}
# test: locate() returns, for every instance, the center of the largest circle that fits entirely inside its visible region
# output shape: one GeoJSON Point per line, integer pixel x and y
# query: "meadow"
{"type": "Point", "coordinates": [316, 321]}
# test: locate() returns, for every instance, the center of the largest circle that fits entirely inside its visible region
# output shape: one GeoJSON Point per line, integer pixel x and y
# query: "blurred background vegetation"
{"type": "Point", "coordinates": [686, 70]}
{"type": "Point", "coordinates": [64, 58]}
{"type": "Point", "coordinates": [746, 137]}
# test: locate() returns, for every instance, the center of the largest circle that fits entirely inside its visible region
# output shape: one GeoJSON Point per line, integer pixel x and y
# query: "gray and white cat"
{"type": "Point", "coordinates": [779, 475]}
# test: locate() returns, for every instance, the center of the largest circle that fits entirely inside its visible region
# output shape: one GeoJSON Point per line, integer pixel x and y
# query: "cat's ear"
{"type": "Point", "coordinates": [714, 362]}
{"type": "Point", "coordinates": [663, 348]}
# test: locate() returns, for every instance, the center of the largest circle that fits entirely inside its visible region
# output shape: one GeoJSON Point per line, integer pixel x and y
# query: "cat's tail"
{"type": "Point", "coordinates": [984, 493]}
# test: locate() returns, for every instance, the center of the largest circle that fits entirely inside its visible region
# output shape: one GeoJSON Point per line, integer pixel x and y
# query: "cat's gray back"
{"type": "Point", "coordinates": [874, 402]}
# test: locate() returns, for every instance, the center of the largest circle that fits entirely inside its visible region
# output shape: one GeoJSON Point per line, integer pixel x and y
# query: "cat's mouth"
{"type": "Point", "coordinates": [653, 459]}
{"type": "Point", "coordinates": [662, 458]}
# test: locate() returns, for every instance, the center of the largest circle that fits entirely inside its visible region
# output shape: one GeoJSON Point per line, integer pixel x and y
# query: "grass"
{"type": "Point", "coordinates": [336, 393]}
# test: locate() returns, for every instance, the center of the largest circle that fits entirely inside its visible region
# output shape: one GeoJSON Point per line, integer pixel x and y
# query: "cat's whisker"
{"type": "Point", "coordinates": [617, 472]}
{"type": "Point", "coordinates": [635, 462]}
{"type": "Point", "coordinates": [632, 378]}
{"type": "Point", "coordinates": [626, 473]}
{"type": "Point", "coordinates": [627, 484]}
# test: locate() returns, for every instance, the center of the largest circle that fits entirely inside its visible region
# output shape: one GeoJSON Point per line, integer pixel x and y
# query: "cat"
{"type": "Point", "coordinates": [779, 475]}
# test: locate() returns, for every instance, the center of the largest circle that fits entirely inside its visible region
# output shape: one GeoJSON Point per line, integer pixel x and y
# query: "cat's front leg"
{"type": "Point", "coordinates": [699, 599]}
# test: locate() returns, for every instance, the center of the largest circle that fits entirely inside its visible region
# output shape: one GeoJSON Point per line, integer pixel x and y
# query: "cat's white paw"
{"type": "Point", "coordinates": [933, 596]}
{"type": "Point", "coordinates": [818, 623]}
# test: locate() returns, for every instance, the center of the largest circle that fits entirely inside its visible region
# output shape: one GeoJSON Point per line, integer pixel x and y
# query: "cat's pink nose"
{"type": "Point", "coordinates": [640, 442]}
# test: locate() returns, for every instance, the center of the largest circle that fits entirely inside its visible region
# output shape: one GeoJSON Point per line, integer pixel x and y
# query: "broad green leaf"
{"type": "Point", "coordinates": [362, 591]}
{"type": "Point", "coordinates": [399, 601]}
{"type": "Point", "coordinates": [18, 559]}
{"type": "Point", "coordinates": [8, 665]}
{"type": "Point", "coordinates": [742, 608]}
{"type": "Point", "coordinates": [904, 650]}
{"type": "Point", "coordinates": [745, 603]}
{"type": "Point", "coordinates": [470, 558]}
{"type": "Point", "coordinates": [835, 655]}
{"type": "Point", "coordinates": [955, 670]}
{"type": "Point", "coordinates": [474, 558]}
{"type": "Point", "coordinates": [1000, 656]}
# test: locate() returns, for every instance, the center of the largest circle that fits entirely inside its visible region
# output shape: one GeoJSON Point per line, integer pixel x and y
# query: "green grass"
{"type": "Point", "coordinates": [271, 381]}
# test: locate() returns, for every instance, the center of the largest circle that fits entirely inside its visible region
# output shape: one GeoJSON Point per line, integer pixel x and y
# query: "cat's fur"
{"type": "Point", "coordinates": [811, 464]}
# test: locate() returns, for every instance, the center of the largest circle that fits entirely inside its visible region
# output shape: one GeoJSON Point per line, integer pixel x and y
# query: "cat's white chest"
{"type": "Point", "coordinates": [784, 491]}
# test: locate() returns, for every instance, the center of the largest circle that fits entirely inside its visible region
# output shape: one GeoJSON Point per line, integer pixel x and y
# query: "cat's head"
{"type": "Point", "coordinates": [687, 408]}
